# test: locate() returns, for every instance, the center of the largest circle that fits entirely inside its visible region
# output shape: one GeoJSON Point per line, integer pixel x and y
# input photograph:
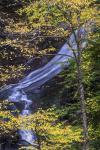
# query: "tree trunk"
{"type": "Point", "coordinates": [39, 145]}
{"type": "Point", "coordinates": [82, 103]}
{"type": "Point", "coordinates": [37, 135]}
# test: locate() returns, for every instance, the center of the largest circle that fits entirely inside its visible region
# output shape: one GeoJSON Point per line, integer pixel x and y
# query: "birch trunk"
{"type": "Point", "coordinates": [82, 103]}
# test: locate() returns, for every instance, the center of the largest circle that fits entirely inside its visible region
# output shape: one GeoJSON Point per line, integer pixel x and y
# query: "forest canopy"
{"type": "Point", "coordinates": [66, 116]}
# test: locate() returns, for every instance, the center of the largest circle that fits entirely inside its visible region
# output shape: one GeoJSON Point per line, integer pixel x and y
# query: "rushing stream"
{"type": "Point", "coordinates": [26, 135]}
{"type": "Point", "coordinates": [37, 78]}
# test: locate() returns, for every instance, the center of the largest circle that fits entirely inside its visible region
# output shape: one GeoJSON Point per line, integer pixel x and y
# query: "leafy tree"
{"type": "Point", "coordinates": [51, 19]}
{"type": "Point", "coordinates": [50, 132]}
{"type": "Point", "coordinates": [75, 14]}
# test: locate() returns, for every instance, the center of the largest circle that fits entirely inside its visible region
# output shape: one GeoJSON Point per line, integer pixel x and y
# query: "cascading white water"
{"type": "Point", "coordinates": [37, 78]}
{"type": "Point", "coordinates": [26, 135]}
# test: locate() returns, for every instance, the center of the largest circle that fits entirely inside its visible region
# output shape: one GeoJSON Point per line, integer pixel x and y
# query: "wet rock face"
{"type": "Point", "coordinates": [7, 142]}
{"type": "Point", "coordinates": [8, 145]}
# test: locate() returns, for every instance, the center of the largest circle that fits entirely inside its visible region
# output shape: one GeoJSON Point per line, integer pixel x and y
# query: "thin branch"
{"type": "Point", "coordinates": [73, 50]}
{"type": "Point", "coordinates": [55, 55]}
{"type": "Point", "coordinates": [24, 35]}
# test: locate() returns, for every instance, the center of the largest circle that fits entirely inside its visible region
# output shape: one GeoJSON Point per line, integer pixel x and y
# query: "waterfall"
{"type": "Point", "coordinates": [37, 78]}
{"type": "Point", "coordinates": [16, 96]}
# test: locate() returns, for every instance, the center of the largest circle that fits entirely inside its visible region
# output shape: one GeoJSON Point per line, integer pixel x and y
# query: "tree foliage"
{"type": "Point", "coordinates": [55, 128]}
